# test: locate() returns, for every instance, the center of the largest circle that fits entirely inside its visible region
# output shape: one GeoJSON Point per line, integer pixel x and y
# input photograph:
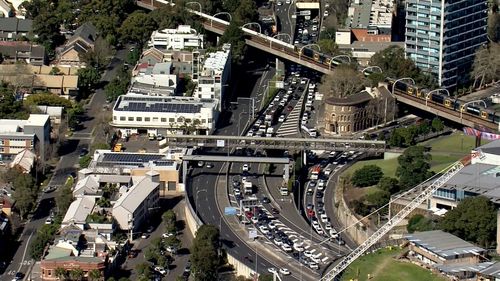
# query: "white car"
{"type": "Point", "coordinates": [254, 220]}
{"type": "Point", "coordinates": [307, 254]}
{"type": "Point", "coordinates": [315, 224]}
{"type": "Point", "coordinates": [271, 225]}
{"type": "Point", "coordinates": [171, 249]}
{"type": "Point", "coordinates": [288, 1]}
{"type": "Point", "coordinates": [160, 270]}
{"type": "Point", "coordinates": [326, 14]}
{"type": "Point", "coordinates": [333, 233]}
{"type": "Point", "coordinates": [286, 248]}
{"type": "Point", "coordinates": [298, 247]}
{"type": "Point", "coordinates": [328, 226]}
{"type": "Point", "coordinates": [285, 271]}
{"type": "Point", "coordinates": [280, 3]}
{"type": "Point", "coordinates": [324, 218]}
{"type": "Point", "coordinates": [166, 235]}
{"type": "Point", "coordinates": [49, 221]}
{"type": "Point", "coordinates": [245, 168]}
{"type": "Point", "coordinates": [282, 118]}
{"type": "Point", "coordinates": [272, 270]}
{"type": "Point", "coordinates": [313, 265]}
{"type": "Point", "coordinates": [264, 229]}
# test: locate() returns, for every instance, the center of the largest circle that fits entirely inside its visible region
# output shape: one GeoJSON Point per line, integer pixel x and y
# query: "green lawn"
{"type": "Point", "coordinates": [382, 267]}
{"type": "Point", "coordinates": [444, 151]}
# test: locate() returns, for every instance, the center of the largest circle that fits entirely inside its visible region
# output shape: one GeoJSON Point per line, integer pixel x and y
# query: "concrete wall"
{"type": "Point", "coordinates": [347, 217]}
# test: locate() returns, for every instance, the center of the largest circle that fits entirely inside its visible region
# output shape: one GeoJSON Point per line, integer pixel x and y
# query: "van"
{"type": "Point", "coordinates": [312, 133]}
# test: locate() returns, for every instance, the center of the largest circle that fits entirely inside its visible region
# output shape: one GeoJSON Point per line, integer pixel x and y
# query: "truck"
{"type": "Point", "coordinates": [315, 172]}
{"type": "Point", "coordinates": [248, 187]}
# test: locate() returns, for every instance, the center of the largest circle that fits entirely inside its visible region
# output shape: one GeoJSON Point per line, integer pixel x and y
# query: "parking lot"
{"type": "Point", "coordinates": [140, 143]}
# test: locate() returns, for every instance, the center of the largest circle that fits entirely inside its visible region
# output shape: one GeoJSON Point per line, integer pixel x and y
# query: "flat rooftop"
{"type": "Point", "coordinates": [162, 104]}
{"type": "Point", "coordinates": [216, 61]}
{"type": "Point", "coordinates": [442, 243]}
{"type": "Point", "coordinates": [106, 158]}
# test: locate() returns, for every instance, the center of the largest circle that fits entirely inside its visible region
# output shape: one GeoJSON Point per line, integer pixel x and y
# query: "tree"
{"type": "Point", "coordinates": [88, 78]}
{"type": "Point", "coordinates": [61, 273]}
{"type": "Point", "coordinates": [76, 274]}
{"type": "Point", "coordinates": [266, 277]}
{"type": "Point", "coordinates": [48, 99]}
{"type": "Point", "coordinates": [106, 15]}
{"type": "Point", "coordinates": [99, 56]}
{"type": "Point", "coordinates": [47, 26]}
{"type": "Point", "coordinates": [246, 12]}
{"type": "Point", "coordinates": [343, 82]}
{"type": "Point", "coordinates": [366, 176]}
{"type": "Point", "coordinates": [437, 124]}
{"type": "Point", "coordinates": [43, 236]}
{"type": "Point", "coordinates": [474, 219]}
{"type": "Point", "coordinates": [10, 107]}
{"type": "Point", "coordinates": [234, 35]}
{"type": "Point", "coordinates": [328, 46]}
{"type": "Point", "coordinates": [420, 223]}
{"type": "Point", "coordinates": [486, 66]}
{"type": "Point", "coordinates": [494, 26]}
{"type": "Point", "coordinates": [114, 89]}
{"type": "Point", "coordinates": [25, 194]}
{"type": "Point", "coordinates": [55, 71]}
{"type": "Point", "coordinates": [133, 56]}
{"type": "Point", "coordinates": [170, 219]}
{"type": "Point", "coordinates": [378, 198]}
{"type": "Point", "coordinates": [388, 184]}
{"type": "Point", "coordinates": [64, 197]}
{"type": "Point", "coordinates": [144, 270]}
{"type": "Point", "coordinates": [84, 161]}
{"type": "Point", "coordinates": [413, 167]}
{"type": "Point", "coordinates": [205, 253]}
{"type": "Point", "coordinates": [137, 28]}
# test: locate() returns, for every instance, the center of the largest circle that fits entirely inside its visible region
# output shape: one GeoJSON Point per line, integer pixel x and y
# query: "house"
{"type": "Point", "coordinates": [6, 204]}
{"type": "Point", "coordinates": [12, 29]}
{"type": "Point", "coordinates": [80, 43]}
{"type": "Point", "coordinates": [78, 211]}
{"type": "Point", "coordinates": [24, 161]}
{"type": "Point", "coordinates": [447, 253]}
{"type": "Point", "coordinates": [137, 202]}
{"type": "Point", "coordinates": [24, 52]}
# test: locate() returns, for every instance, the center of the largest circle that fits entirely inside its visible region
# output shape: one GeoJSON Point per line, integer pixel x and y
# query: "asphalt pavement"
{"type": "Point", "coordinates": [66, 166]}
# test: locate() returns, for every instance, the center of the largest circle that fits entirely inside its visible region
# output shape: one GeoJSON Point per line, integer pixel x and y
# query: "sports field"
{"type": "Point", "coordinates": [382, 266]}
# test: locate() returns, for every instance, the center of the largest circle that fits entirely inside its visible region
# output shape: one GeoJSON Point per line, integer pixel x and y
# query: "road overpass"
{"type": "Point", "coordinates": [275, 143]}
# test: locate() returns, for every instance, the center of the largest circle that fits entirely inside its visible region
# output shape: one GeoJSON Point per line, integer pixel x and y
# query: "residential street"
{"type": "Point", "coordinates": [21, 261]}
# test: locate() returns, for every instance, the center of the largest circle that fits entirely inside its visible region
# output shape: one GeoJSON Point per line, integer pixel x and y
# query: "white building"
{"type": "Point", "coordinates": [214, 76]}
{"type": "Point", "coordinates": [133, 114]}
{"type": "Point", "coordinates": [138, 202]}
{"type": "Point", "coordinates": [180, 38]}
{"type": "Point", "coordinates": [32, 134]}
{"type": "Point", "coordinates": [159, 76]}
{"type": "Point", "coordinates": [78, 211]}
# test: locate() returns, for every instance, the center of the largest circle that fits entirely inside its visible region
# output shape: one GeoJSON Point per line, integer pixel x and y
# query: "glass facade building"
{"type": "Point", "coordinates": [443, 36]}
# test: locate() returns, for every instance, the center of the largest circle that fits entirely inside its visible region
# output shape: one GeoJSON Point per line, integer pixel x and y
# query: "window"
{"type": "Point", "coordinates": [171, 120]}
{"type": "Point", "coordinates": [130, 118]}
{"type": "Point", "coordinates": [122, 118]}
{"type": "Point", "coordinates": [147, 119]}
{"type": "Point", "coordinates": [163, 120]}
{"type": "Point", "coordinates": [138, 119]}
{"type": "Point", "coordinates": [171, 186]}
{"type": "Point", "coordinates": [155, 119]}
{"type": "Point", "coordinates": [114, 118]}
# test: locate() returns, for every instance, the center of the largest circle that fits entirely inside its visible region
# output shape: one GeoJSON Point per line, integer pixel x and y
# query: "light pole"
{"type": "Point", "coordinates": [280, 34]}
{"type": "Point", "coordinates": [253, 105]}
{"type": "Point", "coordinates": [308, 45]}
{"type": "Point", "coordinates": [338, 56]}
{"type": "Point", "coordinates": [469, 102]}
{"type": "Point", "coordinates": [222, 13]}
{"type": "Point", "coordinates": [297, 184]}
{"type": "Point", "coordinates": [254, 23]}
{"type": "Point", "coordinates": [194, 2]}
{"type": "Point", "coordinates": [433, 91]}
{"type": "Point", "coordinates": [371, 67]}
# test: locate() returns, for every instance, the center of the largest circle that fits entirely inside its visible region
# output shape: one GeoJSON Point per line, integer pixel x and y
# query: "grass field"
{"type": "Point", "coordinates": [444, 151]}
{"type": "Point", "coordinates": [382, 267]}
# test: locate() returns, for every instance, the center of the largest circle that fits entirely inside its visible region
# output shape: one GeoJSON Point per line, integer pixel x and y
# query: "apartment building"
{"type": "Point", "coordinates": [12, 29]}
{"type": "Point", "coordinates": [443, 36]}
{"type": "Point", "coordinates": [17, 135]}
{"type": "Point", "coordinates": [182, 37]}
{"type": "Point", "coordinates": [23, 52]}
{"type": "Point", "coordinates": [134, 114]}
{"type": "Point", "coordinates": [214, 76]}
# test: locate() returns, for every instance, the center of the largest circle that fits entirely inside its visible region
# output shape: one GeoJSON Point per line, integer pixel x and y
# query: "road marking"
{"type": "Point", "coordinates": [25, 250]}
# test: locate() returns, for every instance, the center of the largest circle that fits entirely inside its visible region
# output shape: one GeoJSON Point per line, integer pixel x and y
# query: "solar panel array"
{"type": "Point", "coordinates": [164, 163]}
{"type": "Point", "coordinates": [130, 157]}
{"type": "Point", "coordinates": [132, 103]}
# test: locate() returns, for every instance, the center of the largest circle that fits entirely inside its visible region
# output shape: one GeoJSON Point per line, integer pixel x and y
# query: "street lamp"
{"type": "Point", "coordinates": [433, 91]}
{"type": "Point", "coordinates": [308, 45]}
{"type": "Point", "coordinates": [223, 13]}
{"type": "Point", "coordinates": [371, 67]}
{"type": "Point", "coordinates": [254, 23]}
{"type": "Point", "coordinates": [280, 34]}
{"type": "Point", "coordinates": [338, 56]}
{"type": "Point", "coordinates": [194, 2]}
{"type": "Point", "coordinates": [462, 108]}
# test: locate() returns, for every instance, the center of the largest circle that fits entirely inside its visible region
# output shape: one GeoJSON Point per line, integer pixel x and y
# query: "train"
{"type": "Point", "coordinates": [438, 97]}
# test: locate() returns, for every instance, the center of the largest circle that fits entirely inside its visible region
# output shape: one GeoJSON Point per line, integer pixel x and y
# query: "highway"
{"type": "Point", "coordinates": [67, 165]}
{"type": "Point", "coordinates": [284, 14]}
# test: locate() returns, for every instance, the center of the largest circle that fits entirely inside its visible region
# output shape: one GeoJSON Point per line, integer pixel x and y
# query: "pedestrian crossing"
{"type": "Point", "coordinates": [291, 124]}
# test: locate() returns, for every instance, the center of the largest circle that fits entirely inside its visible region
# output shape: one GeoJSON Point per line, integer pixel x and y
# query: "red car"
{"type": "Point", "coordinates": [289, 108]}
{"type": "Point", "coordinates": [310, 213]}
{"type": "Point", "coordinates": [249, 214]}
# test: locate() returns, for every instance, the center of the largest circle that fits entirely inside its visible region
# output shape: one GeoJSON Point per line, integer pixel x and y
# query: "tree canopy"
{"type": "Point", "coordinates": [25, 193]}
{"type": "Point", "coordinates": [343, 82]}
{"type": "Point", "coordinates": [413, 167]}
{"type": "Point", "coordinates": [137, 28]}
{"type": "Point", "coordinates": [367, 175]}
{"type": "Point", "coordinates": [205, 256]}
{"type": "Point", "coordinates": [474, 219]}
{"type": "Point", "coordinates": [10, 107]}
{"type": "Point", "coordinates": [234, 35]}
{"type": "Point", "coordinates": [420, 223]}
{"type": "Point", "coordinates": [48, 99]}
{"type": "Point", "coordinates": [486, 66]}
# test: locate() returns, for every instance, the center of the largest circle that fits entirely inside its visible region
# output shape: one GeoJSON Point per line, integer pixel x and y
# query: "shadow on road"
{"type": "Point", "coordinates": [67, 147]}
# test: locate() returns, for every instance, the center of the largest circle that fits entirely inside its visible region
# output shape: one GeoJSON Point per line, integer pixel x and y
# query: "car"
{"type": "Point", "coordinates": [270, 236]}
{"type": "Point", "coordinates": [254, 219]}
{"type": "Point", "coordinates": [313, 265]}
{"type": "Point", "coordinates": [333, 233]}
{"type": "Point", "coordinates": [328, 226]}
{"type": "Point", "coordinates": [311, 213]}
{"type": "Point", "coordinates": [315, 223]}
{"type": "Point", "coordinates": [171, 249]}
{"type": "Point", "coordinates": [310, 206]}
{"type": "Point", "coordinates": [310, 192]}
{"type": "Point", "coordinates": [324, 218]}
{"type": "Point", "coordinates": [284, 271]}
{"type": "Point", "coordinates": [320, 204]}
{"type": "Point", "coordinates": [319, 195]}
{"type": "Point", "coordinates": [307, 254]}
{"type": "Point", "coordinates": [271, 225]}
{"type": "Point", "coordinates": [321, 211]}
{"type": "Point", "coordinates": [286, 248]}
{"type": "Point", "coordinates": [275, 211]}
{"type": "Point", "coordinates": [298, 247]}
{"type": "Point", "coordinates": [209, 165]}
{"type": "Point", "coordinates": [83, 152]}
{"type": "Point", "coordinates": [280, 3]}
{"type": "Point", "coordinates": [144, 236]}
{"type": "Point", "coordinates": [160, 270]}
{"type": "Point", "coordinates": [277, 241]}
{"type": "Point", "coordinates": [282, 118]}
{"type": "Point", "coordinates": [168, 234]}
{"type": "Point", "coordinates": [326, 14]}
{"type": "Point", "coordinates": [236, 183]}
{"type": "Point", "coordinates": [245, 168]}
{"type": "Point", "coordinates": [248, 214]}
{"type": "Point", "coordinates": [272, 270]}
{"type": "Point", "coordinates": [265, 200]}
{"type": "Point", "coordinates": [289, 108]}
{"type": "Point", "coordinates": [237, 192]}
{"type": "Point", "coordinates": [264, 229]}
{"type": "Point", "coordinates": [18, 276]}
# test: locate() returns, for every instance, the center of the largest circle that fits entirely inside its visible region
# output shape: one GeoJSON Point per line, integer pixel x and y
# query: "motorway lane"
{"type": "Point", "coordinates": [284, 13]}
{"type": "Point", "coordinates": [66, 166]}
